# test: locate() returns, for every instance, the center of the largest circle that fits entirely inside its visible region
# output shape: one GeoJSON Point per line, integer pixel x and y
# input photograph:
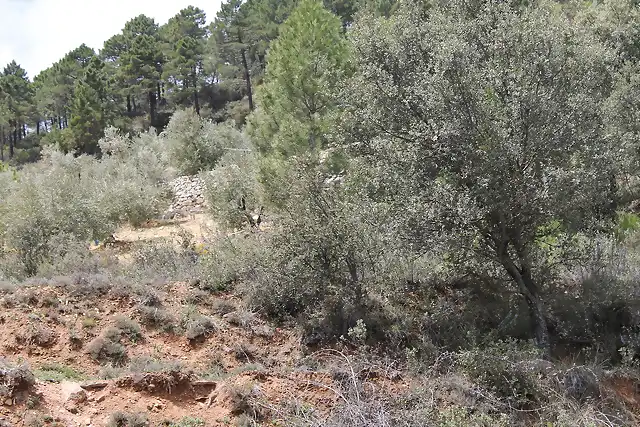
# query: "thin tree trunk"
{"type": "Point", "coordinates": [129, 104]}
{"type": "Point", "coordinates": [529, 291]}
{"type": "Point", "coordinates": [196, 101]}
{"type": "Point", "coordinates": [59, 122]}
{"type": "Point", "coordinates": [12, 141]}
{"type": "Point", "coordinates": [153, 101]}
{"type": "Point", "coordinates": [247, 76]}
{"type": "Point", "coordinates": [2, 142]}
{"type": "Point", "coordinates": [24, 130]}
{"type": "Point", "coordinates": [38, 128]}
{"type": "Point", "coordinates": [159, 93]}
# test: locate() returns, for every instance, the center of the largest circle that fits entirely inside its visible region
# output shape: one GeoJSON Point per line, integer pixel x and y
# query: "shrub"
{"type": "Point", "coordinates": [244, 400]}
{"type": "Point", "coordinates": [597, 303]}
{"type": "Point", "coordinates": [195, 144]}
{"type": "Point", "coordinates": [199, 328]}
{"type": "Point", "coordinates": [163, 262]}
{"type": "Point", "coordinates": [55, 372]}
{"type": "Point", "coordinates": [230, 260]}
{"type": "Point", "coordinates": [241, 318]}
{"type": "Point", "coordinates": [129, 328]}
{"type": "Point", "coordinates": [223, 306]}
{"type": "Point", "coordinates": [509, 370]}
{"type": "Point", "coordinates": [107, 347]}
{"type": "Point", "coordinates": [328, 260]}
{"type": "Point", "coordinates": [233, 192]}
{"type": "Point", "coordinates": [64, 199]}
{"type": "Point", "coordinates": [157, 317]}
{"type": "Point", "coordinates": [14, 379]}
{"type": "Point", "coordinates": [122, 419]}
{"type": "Point", "coordinates": [36, 334]}
{"type": "Point", "coordinates": [145, 364]}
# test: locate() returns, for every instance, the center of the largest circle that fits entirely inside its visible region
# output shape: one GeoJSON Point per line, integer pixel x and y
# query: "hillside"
{"type": "Point", "coordinates": [421, 213]}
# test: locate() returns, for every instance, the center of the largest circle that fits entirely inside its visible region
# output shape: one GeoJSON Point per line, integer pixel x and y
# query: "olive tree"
{"type": "Point", "coordinates": [484, 120]}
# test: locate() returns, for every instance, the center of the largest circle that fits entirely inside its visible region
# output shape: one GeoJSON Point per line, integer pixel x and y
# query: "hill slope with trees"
{"type": "Point", "coordinates": [440, 195]}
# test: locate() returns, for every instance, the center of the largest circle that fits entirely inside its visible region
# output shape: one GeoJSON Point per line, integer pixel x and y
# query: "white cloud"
{"type": "Point", "coordinates": [37, 33]}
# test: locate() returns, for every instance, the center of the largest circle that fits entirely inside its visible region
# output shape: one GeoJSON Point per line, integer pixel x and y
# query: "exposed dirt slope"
{"type": "Point", "coordinates": [239, 367]}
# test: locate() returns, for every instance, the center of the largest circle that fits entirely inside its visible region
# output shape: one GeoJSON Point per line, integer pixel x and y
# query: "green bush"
{"type": "Point", "coordinates": [229, 260]}
{"type": "Point", "coordinates": [195, 144]}
{"type": "Point", "coordinates": [107, 347]}
{"type": "Point", "coordinates": [129, 328]}
{"type": "Point", "coordinates": [512, 371]}
{"type": "Point", "coordinates": [122, 419]}
{"type": "Point", "coordinates": [199, 328]}
{"type": "Point", "coordinates": [232, 190]}
{"type": "Point", "coordinates": [329, 259]}
{"type": "Point", "coordinates": [65, 199]}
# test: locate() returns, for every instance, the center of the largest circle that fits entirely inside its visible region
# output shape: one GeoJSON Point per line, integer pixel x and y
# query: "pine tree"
{"type": "Point", "coordinates": [184, 36]}
{"type": "Point", "coordinates": [303, 65]}
{"type": "Point", "coordinates": [141, 61]}
{"type": "Point", "coordinates": [90, 109]}
{"type": "Point", "coordinates": [18, 100]}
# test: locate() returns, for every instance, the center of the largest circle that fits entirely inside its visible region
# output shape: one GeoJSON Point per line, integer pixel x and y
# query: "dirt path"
{"type": "Point", "coordinates": [200, 225]}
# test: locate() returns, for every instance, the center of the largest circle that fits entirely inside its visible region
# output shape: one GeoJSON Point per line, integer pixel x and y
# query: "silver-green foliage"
{"type": "Point", "coordinates": [485, 119]}
{"type": "Point", "coordinates": [232, 189]}
{"type": "Point", "coordinates": [194, 144]}
{"type": "Point", "coordinates": [327, 256]}
{"type": "Point", "coordinates": [67, 198]}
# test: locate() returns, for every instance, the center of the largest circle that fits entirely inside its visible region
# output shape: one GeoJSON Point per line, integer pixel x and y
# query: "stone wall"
{"type": "Point", "coordinates": [188, 196]}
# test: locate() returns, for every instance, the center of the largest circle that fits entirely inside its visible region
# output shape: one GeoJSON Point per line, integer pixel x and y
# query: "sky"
{"type": "Point", "coordinates": [37, 33]}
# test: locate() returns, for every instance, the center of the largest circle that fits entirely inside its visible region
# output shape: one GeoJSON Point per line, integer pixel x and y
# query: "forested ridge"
{"type": "Point", "coordinates": [143, 74]}
{"type": "Point", "coordinates": [442, 195]}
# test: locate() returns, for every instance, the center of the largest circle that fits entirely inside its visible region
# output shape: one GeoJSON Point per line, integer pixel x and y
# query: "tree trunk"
{"type": "Point", "coordinates": [24, 130]}
{"type": "Point", "coordinates": [196, 101]}
{"type": "Point", "coordinates": [529, 291]}
{"type": "Point", "coordinates": [537, 313]}
{"type": "Point", "coordinates": [159, 93]}
{"type": "Point", "coordinates": [38, 127]}
{"type": "Point", "coordinates": [3, 139]}
{"type": "Point", "coordinates": [153, 101]}
{"type": "Point", "coordinates": [133, 101]}
{"type": "Point", "coordinates": [59, 123]}
{"type": "Point", "coordinates": [129, 104]}
{"type": "Point", "coordinates": [66, 123]}
{"type": "Point", "coordinates": [12, 141]}
{"type": "Point", "coordinates": [247, 77]}
{"type": "Point", "coordinates": [612, 205]}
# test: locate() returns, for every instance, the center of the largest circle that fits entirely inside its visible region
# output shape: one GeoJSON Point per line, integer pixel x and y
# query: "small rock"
{"type": "Point", "coordinates": [78, 397]}
{"type": "Point", "coordinates": [155, 406]}
{"type": "Point", "coordinates": [96, 385]}
{"type": "Point", "coordinates": [8, 401]}
{"type": "Point", "coordinates": [74, 401]}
